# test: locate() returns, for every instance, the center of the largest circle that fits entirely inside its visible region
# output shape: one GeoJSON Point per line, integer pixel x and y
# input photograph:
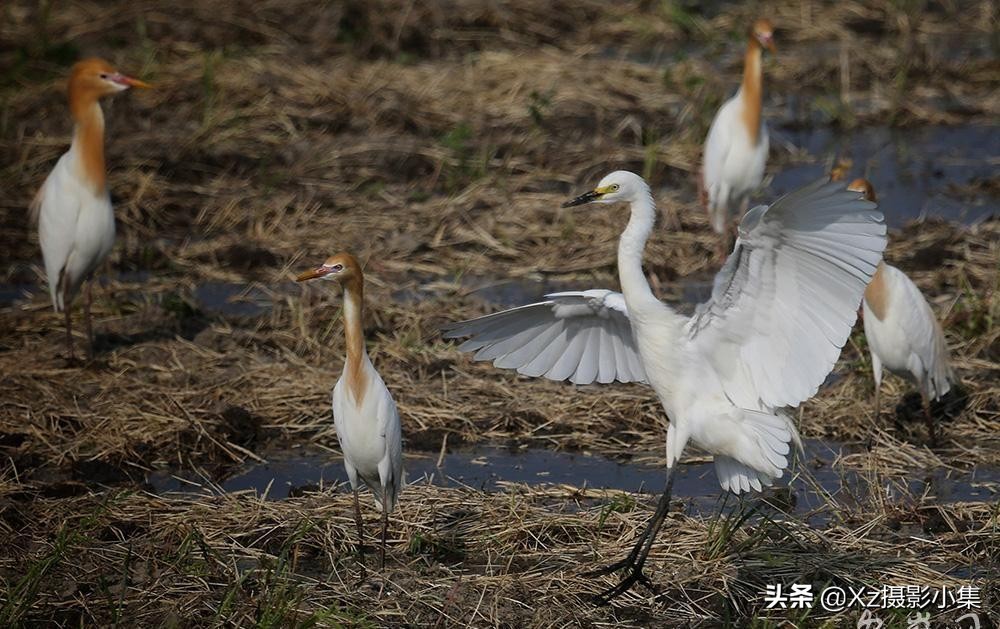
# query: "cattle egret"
{"type": "Point", "coordinates": [781, 309]}
{"type": "Point", "coordinates": [737, 143]}
{"type": "Point", "coordinates": [364, 412]}
{"type": "Point", "coordinates": [903, 334]}
{"type": "Point", "coordinates": [76, 224]}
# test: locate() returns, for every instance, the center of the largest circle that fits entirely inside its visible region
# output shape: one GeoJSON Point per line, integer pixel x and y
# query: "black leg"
{"type": "Point", "coordinates": [931, 431]}
{"type": "Point", "coordinates": [67, 302]}
{"type": "Point", "coordinates": [385, 527]}
{"type": "Point", "coordinates": [637, 558]}
{"type": "Point", "coordinates": [70, 358]}
{"type": "Point", "coordinates": [361, 534]}
{"type": "Point", "coordinates": [88, 323]}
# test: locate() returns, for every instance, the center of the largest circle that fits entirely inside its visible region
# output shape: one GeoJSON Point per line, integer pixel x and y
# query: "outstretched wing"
{"type": "Point", "coordinates": [784, 303]}
{"type": "Point", "coordinates": [583, 336]}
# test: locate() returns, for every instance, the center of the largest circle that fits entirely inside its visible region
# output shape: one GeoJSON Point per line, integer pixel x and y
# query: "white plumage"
{"type": "Point", "coordinates": [76, 224]}
{"type": "Point", "coordinates": [736, 148]}
{"type": "Point", "coordinates": [364, 413]}
{"type": "Point", "coordinates": [370, 437]}
{"type": "Point", "coordinates": [76, 228]}
{"type": "Point", "coordinates": [904, 336]}
{"type": "Point", "coordinates": [734, 164]}
{"type": "Point", "coordinates": [781, 309]}
{"type": "Point", "coordinates": [582, 337]}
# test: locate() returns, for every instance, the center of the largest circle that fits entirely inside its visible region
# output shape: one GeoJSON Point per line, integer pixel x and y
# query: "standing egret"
{"type": "Point", "coordinates": [903, 334]}
{"type": "Point", "coordinates": [737, 143]}
{"type": "Point", "coordinates": [76, 224]}
{"type": "Point", "coordinates": [364, 412]}
{"type": "Point", "coordinates": [781, 309]}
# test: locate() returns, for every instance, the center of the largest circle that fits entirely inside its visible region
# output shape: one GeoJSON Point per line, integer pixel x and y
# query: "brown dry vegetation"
{"type": "Point", "coordinates": [435, 140]}
{"type": "Point", "coordinates": [459, 557]}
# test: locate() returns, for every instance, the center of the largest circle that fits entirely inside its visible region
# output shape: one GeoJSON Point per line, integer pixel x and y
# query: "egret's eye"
{"type": "Point", "coordinates": [614, 187]}
{"type": "Point", "coordinates": [104, 75]}
{"type": "Point", "coordinates": [337, 268]}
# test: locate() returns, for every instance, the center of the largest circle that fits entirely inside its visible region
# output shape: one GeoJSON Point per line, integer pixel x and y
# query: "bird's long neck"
{"type": "Point", "coordinates": [354, 367]}
{"type": "Point", "coordinates": [877, 294]}
{"type": "Point", "coordinates": [638, 294]}
{"type": "Point", "coordinates": [751, 89]}
{"type": "Point", "coordinates": [88, 139]}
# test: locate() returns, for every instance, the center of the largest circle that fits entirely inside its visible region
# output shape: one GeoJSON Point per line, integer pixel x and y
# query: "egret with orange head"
{"type": "Point", "coordinates": [364, 413]}
{"type": "Point", "coordinates": [76, 223]}
{"type": "Point", "coordinates": [737, 143]}
{"type": "Point", "coordinates": [903, 334]}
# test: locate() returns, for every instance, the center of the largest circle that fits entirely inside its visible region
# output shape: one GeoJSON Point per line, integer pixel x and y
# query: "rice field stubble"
{"type": "Point", "coordinates": [437, 143]}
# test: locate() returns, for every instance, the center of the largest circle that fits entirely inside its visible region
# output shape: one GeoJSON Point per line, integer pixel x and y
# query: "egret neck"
{"type": "Point", "coordinates": [643, 306]}
{"type": "Point", "coordinates": [630, 247]}
{"type": "Point", "coordinates": [751, 89]}
{"type": "Point", "coordinates": [877, 293]}
{"type": "Point", "coordinates": [354, 367]}
{"type": "Point", "coordinates": [88, 136]}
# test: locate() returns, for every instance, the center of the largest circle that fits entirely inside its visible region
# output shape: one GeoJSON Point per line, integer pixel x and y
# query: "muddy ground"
{"type": "Point", "coordinates": [436, 143]}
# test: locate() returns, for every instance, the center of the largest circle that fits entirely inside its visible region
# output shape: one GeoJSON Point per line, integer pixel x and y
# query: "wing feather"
{"type": "Point", "coordinates": [587, 365]}
{"type": "Point", "coordinates": [784, 303]}
{"type": "Point", "coordinates": [606, 367]}
{"type": "Point", "coordinates": [530, 350]}
{"type": "Point", "coordinates": [582, 336]}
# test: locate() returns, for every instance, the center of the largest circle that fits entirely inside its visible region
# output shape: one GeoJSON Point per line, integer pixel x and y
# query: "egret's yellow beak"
{"type": "Point", "coordinates": [312, 274]}
{"type": "Point", "coordinates": [122, 79]}
{"type": "Point", "coordinates": [587, 197]}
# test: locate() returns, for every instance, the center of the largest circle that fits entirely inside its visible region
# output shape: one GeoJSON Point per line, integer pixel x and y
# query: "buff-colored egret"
{"type": "Point", "coordinates": [903, 334]}
{"type": "Point", "coordinates": [781, 309]}
{"type": "Point", "coordinates": [364, 412]}
{"type": "Point", "coordinates": [736, 147]}
{"type": "Point", "coordinates": [76, 224]}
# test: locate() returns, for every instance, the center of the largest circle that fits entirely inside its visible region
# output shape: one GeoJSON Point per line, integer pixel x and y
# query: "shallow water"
{"type": "Point", "coordinates": [230, 298]}
{"type": "Point", "coordinates": [916, 172]}
{"type": "Point", "coordinates": [12, 293]}
{"type": "Point", "coordinates": [487, 468]}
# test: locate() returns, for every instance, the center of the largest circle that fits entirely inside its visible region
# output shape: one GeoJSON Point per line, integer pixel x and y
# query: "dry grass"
{"type": "Point", "coordinates": [457, 558]}
{"type": "Point", "coordinates": [185, 385]}
{"type": "Point", "coordinates": [435, 142]}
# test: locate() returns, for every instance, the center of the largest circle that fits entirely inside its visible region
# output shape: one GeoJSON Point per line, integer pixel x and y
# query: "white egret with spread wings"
{"type": "Point", "coordinates": [781, 309]}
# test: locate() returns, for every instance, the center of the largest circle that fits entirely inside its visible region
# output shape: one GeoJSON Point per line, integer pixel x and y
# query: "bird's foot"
{"type": "Point", "coordinates": [635, 575]}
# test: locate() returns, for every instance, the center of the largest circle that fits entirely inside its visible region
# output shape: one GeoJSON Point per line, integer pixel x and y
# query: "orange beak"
{"type": "Point", "coordinates": [127, 80]}
{"type": "Point", "coordinates": [312, 274]}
